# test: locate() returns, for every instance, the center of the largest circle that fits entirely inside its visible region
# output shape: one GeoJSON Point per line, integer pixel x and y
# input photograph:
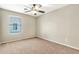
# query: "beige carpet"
{"type": "Point", "coordinates": [34, 45]}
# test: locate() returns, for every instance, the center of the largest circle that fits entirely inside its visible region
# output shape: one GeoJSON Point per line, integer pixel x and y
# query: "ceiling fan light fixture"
{"type": "Point", "coordinates": [34, 12]}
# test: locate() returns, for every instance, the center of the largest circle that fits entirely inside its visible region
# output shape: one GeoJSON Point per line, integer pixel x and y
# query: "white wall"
{"type": "Point", "coordinates": [61, 26]}
{"type": "Point", "coordinates": [28, 26]}
{"type": "Point", "coordinates": [0, 28]}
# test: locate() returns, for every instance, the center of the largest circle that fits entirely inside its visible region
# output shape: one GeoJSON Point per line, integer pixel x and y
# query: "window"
{"type": "Point", "coordinates": [15, 24]}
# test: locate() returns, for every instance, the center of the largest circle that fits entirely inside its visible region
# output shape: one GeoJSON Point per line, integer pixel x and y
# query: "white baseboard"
{"type": "Point", "coordinates": [15, 40]}
{"type": "Point", "coordinates": [59, 43]}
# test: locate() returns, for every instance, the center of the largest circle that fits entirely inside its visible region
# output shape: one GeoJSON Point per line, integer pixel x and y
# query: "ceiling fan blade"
{"type": "Point", "coordinates": [27, 8]}
{"type": "Point", "coordinates": [28, 11]}
{"type": "Point", "coordinates": [41, 11]}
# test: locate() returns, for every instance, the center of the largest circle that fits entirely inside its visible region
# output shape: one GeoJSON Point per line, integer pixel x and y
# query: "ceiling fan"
{"type": "Point", "coordinates": [34, 8]}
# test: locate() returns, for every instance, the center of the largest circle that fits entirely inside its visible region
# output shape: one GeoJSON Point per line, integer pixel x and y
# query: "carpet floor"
{"type": "Point", "coordinates": [35, 46]}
